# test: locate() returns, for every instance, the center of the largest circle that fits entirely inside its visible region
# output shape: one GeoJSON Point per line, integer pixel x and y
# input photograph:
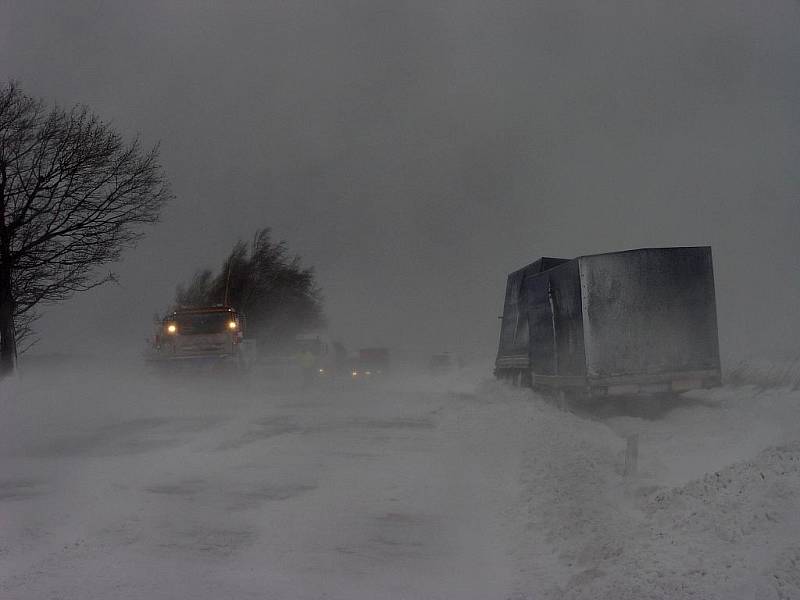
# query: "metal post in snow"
{"type": "Point", "coordinates": [631, 454]}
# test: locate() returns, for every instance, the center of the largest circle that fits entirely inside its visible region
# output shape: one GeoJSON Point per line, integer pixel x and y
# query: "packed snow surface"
{"type": "Point", "coordinates": [119, 485]}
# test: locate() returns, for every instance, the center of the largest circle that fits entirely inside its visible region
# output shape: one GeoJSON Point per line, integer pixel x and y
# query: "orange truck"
{"type": "Point", "coordinates": [205, 335]}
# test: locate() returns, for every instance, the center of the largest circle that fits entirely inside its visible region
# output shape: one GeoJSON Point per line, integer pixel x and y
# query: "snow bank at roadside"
{"type": "Point", "coordinates": [766, 373]}
{"type": "Point", "coordinates": [734, 533]}
{"type": "Point", "coordinates": [730, 529]}
{"type": "Point", "coordinates": [575, 511]}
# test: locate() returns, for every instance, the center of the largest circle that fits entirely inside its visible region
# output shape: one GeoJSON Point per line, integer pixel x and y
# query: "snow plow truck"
{"type": "Point", "coordinates": [623, 323]}
{"type": "Point", "coordinates": [206, 337]}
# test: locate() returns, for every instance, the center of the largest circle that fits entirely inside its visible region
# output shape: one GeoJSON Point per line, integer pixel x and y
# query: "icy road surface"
{"type": "Point", "coordinates": [135, 490]}
{"type": "Point", "coordinates": [124, 487]}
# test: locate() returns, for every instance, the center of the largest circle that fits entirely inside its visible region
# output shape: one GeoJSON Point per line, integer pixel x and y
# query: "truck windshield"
{"type": "Point", "coordinates": [199, 323]}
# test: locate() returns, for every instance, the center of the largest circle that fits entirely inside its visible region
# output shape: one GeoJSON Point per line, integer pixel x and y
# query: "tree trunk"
{"type": "Point", "coordinates": [8, 337]}
{"type": "Point", "coordinates": [8, 342]}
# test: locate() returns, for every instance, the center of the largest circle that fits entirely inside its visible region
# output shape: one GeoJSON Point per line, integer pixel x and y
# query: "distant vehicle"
{"type": "Point", "coordinates": [205, 335]}
{"type": "Point", "coordinates": [441, 363]}
{"type": "Point", "coordinates": [370, 362]}
{"type": "Point", "coordinates": [321, 349]}
{"type": "Point", "coordinates": [639, 321]}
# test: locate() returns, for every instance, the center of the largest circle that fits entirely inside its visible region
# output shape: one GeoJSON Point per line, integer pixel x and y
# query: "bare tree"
{"type": "Point", "coordinates": [72, 196]}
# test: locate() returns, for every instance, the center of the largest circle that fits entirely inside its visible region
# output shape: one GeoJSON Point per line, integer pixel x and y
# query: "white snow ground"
{"type": "Point", "coordinates": [119, 486]}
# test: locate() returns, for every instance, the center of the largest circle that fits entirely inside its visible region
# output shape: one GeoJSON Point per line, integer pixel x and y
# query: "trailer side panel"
{"type": "Point", "coordinates": [556, 330]}
{"type": "Point", "coordinates": [513, 350]}
{"type": "Point", "coordinates": [649, 311]}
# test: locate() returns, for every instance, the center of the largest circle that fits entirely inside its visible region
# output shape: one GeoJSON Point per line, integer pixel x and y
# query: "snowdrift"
{"type": "Point", "coordinates": [766, 373]}
{"type": "Point", "coordinates": [730, 531]}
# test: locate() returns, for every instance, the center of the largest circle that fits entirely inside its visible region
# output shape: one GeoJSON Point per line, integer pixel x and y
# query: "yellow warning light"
{"type": "Point", "coordinates": [231, 324]}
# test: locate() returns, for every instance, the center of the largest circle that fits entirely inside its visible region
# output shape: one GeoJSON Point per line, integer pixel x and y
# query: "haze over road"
{"type": "Point", "coordinates": [457, 487]}
{"type": "Point", "coordinates": [417, 152]}
{"type": "Point", "coordinates": [342, 491]}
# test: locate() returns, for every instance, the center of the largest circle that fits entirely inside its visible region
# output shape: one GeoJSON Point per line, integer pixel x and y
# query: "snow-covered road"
{"type": "Point", "coordinates": [340, 491]}
{"type": "Point", "coordinates": [117, 486]}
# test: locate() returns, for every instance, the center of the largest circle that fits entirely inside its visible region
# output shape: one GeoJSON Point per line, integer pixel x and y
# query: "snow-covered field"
{"type": "Point", "coordinates": [116, 485]}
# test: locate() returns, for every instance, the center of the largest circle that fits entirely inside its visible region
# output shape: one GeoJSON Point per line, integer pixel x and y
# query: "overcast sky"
{"type": "Point", "coordinates": [415, 152]}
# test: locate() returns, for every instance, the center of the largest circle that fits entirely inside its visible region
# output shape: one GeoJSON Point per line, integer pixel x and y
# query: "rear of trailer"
{"type": "Point", "coordinates": [619, 323]}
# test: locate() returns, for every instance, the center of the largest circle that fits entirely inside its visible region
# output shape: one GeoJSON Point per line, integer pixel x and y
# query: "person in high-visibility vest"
{"type": "Point", "coordinates": [308, 363]}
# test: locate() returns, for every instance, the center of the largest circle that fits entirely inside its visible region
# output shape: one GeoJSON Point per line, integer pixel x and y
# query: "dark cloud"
{"type": "Point", "coordinates": [416, 152]}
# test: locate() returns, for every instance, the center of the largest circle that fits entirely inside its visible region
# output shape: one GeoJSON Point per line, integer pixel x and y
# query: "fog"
{"type": "Point", "coordinates": [415, 153]}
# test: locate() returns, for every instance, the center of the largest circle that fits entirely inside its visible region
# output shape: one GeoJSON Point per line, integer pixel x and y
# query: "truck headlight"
{"type": "Point", "coordinates": [172, 328]}
{"type": "Point", "coordinates": [231, 325]}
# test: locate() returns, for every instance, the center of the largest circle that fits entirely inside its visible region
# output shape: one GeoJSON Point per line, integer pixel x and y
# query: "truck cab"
{"type": "Point", "coordinates": [210, 333]}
